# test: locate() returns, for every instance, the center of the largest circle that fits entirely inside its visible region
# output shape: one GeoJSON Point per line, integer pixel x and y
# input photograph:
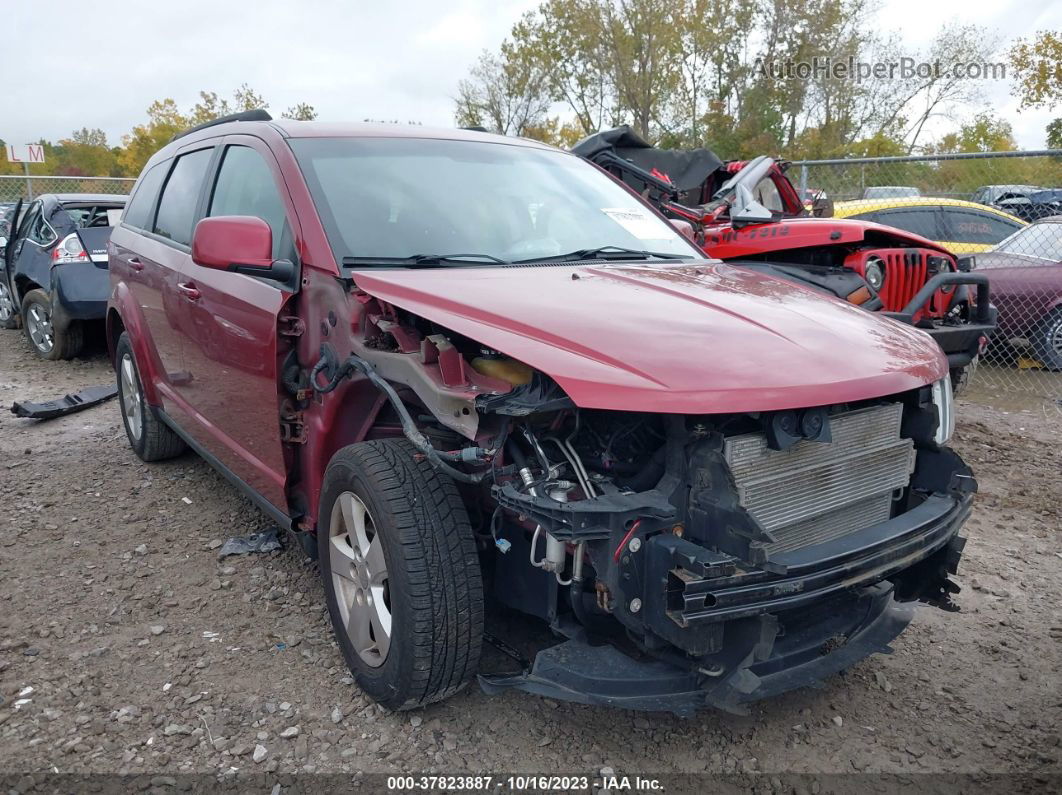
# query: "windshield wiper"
{"type": "Point", "coordinates": [418, 260]}
{"type": "Point", "coordinates": [605, 253]}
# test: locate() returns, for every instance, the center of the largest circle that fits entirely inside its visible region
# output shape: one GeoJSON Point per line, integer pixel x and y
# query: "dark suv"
{"type": "Point", "coordinates": [53, 277]}
{"type": "Point", "coordinates": [469, 371]}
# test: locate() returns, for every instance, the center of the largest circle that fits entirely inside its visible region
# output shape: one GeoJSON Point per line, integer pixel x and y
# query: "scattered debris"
{"type": "Point", "coordinates": [67, 404]}
{"type": "Point", "coordinates": [266, 541]}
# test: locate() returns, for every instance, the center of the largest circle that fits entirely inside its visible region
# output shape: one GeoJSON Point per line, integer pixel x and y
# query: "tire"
{"type": "Point", "coordinates": [430, 590]}
{"type": "Point", "coordinates": [47, 341]}
{"type": "Point", "coordinates": [960, 376]}
{"type": "Point", "coordinates": [150, 438]}
{"type": "Point", "coordinates": [10, 317]}
{"type": "Point", "coordinates": [1047, 340]}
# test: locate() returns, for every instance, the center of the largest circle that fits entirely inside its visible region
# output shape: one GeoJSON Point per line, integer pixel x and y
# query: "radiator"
{"type": "Point", "coordinates": [814, 492]}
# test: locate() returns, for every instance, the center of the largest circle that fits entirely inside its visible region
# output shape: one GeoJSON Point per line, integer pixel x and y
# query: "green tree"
{"type": "Point", "coordinates": [85, 153]}
{"type": "Point", "coordinates": [301, 111]}
{"type": "Point", "coordinates": [1036, 68]}
{"type": "Point", "coordinates": [504, 93]}
{"type": "Point", "coordinates": [165, 120]}
{"type": "Point", "coordinates": [1054, 134]}
{"type": "Point", "coordinates": [983, 133]}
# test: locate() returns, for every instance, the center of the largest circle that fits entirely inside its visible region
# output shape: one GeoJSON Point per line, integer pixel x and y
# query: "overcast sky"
{"type": "Point", "coordinates": [102, 64]}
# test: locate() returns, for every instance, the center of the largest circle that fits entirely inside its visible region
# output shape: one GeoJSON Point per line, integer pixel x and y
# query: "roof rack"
{"type": "Point", "coordinates": [258, 114]}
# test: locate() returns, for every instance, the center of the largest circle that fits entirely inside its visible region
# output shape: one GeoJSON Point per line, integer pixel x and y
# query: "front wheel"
{"type": "Point", "coordinates": [1047, 340]}
{"type": "Point", "coordinates": [401, 574]}
{"type": "Point", "coordinates": [960, 376]}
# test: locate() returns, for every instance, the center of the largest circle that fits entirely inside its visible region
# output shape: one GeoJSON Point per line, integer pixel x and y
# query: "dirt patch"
{"type": "Point", "coordinates": [146, 654]}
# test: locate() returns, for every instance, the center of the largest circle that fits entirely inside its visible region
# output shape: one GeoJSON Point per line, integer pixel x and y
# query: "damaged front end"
{"type": "Point", "coordinates": [694, 561]}
{"type": "Point", "coordinates": [686, 559]}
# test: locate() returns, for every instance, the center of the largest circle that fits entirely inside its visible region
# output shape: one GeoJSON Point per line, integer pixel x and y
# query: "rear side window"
{"type": "Point", "coordinates": [138, 211]}
{"type": "Point", "coordinates": [918, 221]}
{"type": "Point", "coordinates": [179, 198]}
{"type": "Point", "coordinates": [971, 226]}
{"type": "Point", "coordinates": [40, 232]}
{"type": "Point", "coordinates": [245, 186]}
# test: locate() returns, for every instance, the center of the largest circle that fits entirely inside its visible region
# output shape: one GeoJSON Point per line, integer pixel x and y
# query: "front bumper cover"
{"type": "Point", "coordinates": [603, 675]}
{"type": "Point", "coordinates": [834, 606]}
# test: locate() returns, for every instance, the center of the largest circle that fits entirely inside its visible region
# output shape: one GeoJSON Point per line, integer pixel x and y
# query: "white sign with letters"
{"type": "Point", "coordinates": [25, 153]}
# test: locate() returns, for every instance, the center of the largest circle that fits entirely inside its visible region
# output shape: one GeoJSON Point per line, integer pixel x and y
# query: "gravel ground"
{"type": "Point", "coordinates": [145, 654]}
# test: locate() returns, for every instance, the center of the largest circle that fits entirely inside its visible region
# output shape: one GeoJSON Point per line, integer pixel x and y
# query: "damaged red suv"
{"type": "Point", "coordinates": [474, 372]}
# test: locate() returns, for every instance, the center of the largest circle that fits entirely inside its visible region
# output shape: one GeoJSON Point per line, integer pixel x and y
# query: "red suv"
{"type": "Point", "coordinates": [474, 371]}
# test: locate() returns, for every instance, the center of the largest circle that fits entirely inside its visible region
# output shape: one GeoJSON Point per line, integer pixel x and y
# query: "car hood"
{"type": "Point", "coordinates": [725, 242]}
{"type": "Point", "coordinates": [690, 338]}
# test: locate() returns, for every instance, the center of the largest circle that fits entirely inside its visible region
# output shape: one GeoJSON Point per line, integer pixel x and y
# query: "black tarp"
{"type": "Point", "coordinates": [687, 169]}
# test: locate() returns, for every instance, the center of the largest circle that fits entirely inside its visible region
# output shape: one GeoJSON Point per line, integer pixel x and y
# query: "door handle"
{"type": "Point", "coordinates": [136, 264]}
{"type": "Point", "coordinates": [189, 291]}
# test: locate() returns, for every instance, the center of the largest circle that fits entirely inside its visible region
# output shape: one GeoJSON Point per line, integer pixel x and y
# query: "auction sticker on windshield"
{"type": "Point", "coordinates": [640, 224]}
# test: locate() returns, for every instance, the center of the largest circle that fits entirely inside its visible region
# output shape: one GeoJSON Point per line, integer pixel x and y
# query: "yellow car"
{"type": "Point", "coordinates": [961, 227]}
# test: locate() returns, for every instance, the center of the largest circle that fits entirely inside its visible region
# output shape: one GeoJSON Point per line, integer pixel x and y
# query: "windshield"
{"type": "Point", "coordinates": [1037, 240]}
{"type": "Point", "coordinates": [404, 197]}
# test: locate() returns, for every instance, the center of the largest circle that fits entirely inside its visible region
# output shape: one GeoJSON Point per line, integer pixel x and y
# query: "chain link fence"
{"type": "Point", "coordinates": [1001, 213]}
{"type": "Point", "coordinates": [13, 188]}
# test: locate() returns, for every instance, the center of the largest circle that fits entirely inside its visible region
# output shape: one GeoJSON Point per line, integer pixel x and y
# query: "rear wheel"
{"type": "Point", "coordinates": [1047, 340]}
{"type": "Point", "coordinates": [9, 315]}
{"type": "Point", "coordinates": [48, 340]}
{"type": "Point", "coordinates": [401, 574]}
{"type": "Point", "coordinates": [150, 438]}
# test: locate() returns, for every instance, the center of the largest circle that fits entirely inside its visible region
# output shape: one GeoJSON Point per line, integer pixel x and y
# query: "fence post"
{"type": "Point", "coordinates": [29, 184]}
{"type": "Point", "coordinates": [803, 181]}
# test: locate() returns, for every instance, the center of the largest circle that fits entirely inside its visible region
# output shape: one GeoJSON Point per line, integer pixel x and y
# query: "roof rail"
{"type": "Point", "coordinates": [258, 114]}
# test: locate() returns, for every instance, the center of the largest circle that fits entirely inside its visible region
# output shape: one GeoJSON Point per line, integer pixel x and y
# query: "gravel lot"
{"type": "Point", "coordinates": [145, 654]}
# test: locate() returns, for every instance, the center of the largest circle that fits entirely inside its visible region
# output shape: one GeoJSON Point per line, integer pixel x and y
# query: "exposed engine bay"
{"type": "Point", "coordinates": [732, 552]}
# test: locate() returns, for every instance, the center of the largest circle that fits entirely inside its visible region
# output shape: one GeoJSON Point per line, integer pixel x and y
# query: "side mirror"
{"type": "Point", "coordinates": [682, 226]}
{"type": "Point", "coordinates": [238, 243]}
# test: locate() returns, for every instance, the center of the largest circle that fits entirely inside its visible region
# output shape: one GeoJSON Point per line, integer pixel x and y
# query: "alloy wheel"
{"type": "Point", "coordinates": [1054, 338]}
{"type": "Point", "coordinates": [132, 402]}
{"type": "Point", "coordinates": [7, 303]}
{"type": "Point", "coordinates": [359, 577]}
{"type": "Point", "coordinates": [39, 326]}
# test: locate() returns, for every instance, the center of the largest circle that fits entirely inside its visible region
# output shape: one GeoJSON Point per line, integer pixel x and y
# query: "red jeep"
{"type": "Point", "coordinates": [750, 213]}
{"type": "Point", "coordinates": [472, 371]}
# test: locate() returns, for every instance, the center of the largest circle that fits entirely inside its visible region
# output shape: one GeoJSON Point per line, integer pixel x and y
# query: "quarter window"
{"type": "Point", "coordinates": [245, 186]}
{"type": "Point", "coordinates": [177, 206]}
{"type": "Point", "coordinates": [971, 226]}
{"type": "Point", "coordinates": [138, 212]}
{"type": "Point", "coordinates": [39, 231]}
